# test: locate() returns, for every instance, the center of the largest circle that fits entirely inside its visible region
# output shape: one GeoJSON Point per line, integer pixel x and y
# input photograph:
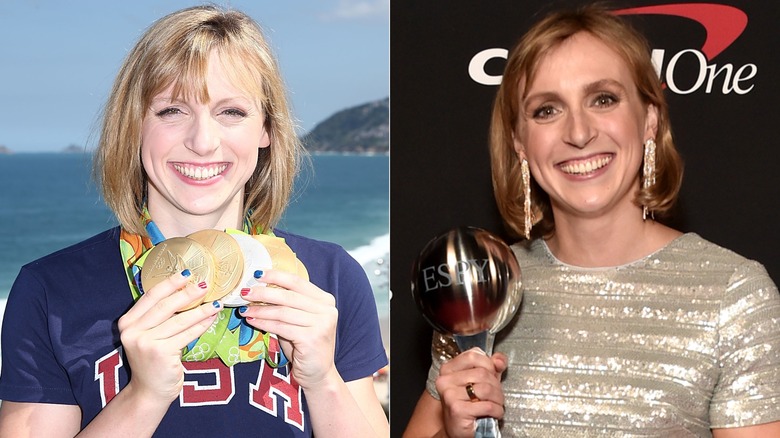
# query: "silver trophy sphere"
{"type": "Point", "coordinates": [466, 282]}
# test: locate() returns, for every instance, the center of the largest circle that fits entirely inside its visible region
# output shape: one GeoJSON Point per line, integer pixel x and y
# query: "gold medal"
{"type": "Point", "coordinates": [283, 257]}
{"type": "Point", "coordinates": [228, 261]}
{"type": "Point", "coordinates": [174, 255]}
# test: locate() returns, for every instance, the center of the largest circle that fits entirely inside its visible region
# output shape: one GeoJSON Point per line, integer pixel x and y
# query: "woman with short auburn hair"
{"type": "Point", "coordinates": [627, 327]}
{"type": "Point", "coordinates": [547, 34]}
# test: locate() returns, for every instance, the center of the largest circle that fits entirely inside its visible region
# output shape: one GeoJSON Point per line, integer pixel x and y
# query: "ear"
{"type": "Point", "coordinates": [265, 140]}
{"type": "Point", "coordinates": [518, 146]}
{"type": "Point", "coordinates": [651, 122]}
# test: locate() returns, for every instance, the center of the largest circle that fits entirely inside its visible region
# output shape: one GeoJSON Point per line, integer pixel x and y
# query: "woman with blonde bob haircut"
{"type": "Point", "coordinates": [176, 53]}
{"type": "Point", "coordinates": [626, 326]}
{"type": "Point", "coordinates": [111, 338]}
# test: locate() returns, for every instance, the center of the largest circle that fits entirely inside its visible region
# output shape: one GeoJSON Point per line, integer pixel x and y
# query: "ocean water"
{"type": "Point", "coordinates": [48, 201]}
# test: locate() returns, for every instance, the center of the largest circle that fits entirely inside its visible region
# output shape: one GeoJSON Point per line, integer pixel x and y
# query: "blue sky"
{"type": "Point", "coordinates": [58, 59]}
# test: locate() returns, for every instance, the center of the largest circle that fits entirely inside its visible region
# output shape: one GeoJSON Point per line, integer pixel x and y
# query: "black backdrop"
{"type": "Point", "coordinates": [440, 174]}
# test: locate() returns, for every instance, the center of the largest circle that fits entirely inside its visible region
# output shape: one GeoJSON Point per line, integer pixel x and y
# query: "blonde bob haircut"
{"type": "Point", "coordinates": [520, 70]}
{"type": "Point", "coordinates": [174, 51]}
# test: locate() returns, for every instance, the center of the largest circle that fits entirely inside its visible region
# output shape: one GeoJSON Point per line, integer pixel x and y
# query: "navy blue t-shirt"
{"type": "Point", "coordinates": [60, 343]}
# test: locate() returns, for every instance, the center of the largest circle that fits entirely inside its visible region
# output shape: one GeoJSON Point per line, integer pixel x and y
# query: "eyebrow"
{"type": "Point", "coordinates": [603, 83]}
{"type": "Point", "coordinates": [589, 89]}
{"type": "Point", "coordinates": [166, 98]}
{"type": "Point", "coordinates": [238, 99]}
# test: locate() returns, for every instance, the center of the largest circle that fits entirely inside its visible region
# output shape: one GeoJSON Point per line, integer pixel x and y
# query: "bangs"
{"type": "Point", "coordinates": [187, 70]}
{"type": "Point", "coordinates": [245, 71]}
{"type": "Point", "coordinates": [178, 57]}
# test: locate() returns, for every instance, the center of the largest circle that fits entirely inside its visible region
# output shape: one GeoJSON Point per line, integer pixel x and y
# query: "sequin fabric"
{"type": "Point", "coordinates": [679, 342]}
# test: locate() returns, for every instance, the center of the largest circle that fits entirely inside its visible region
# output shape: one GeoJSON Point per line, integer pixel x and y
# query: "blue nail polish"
{"type": "Point", "coordinates": [242, 309]}
{"type": "Point", "coordinates": [216, 304]}
{"type": "Point", "coordinates": [258, 273]}
{"type": "Point", "coordinates": [282, 359]}
{"type": "Point", "coordinates": [186, 273]}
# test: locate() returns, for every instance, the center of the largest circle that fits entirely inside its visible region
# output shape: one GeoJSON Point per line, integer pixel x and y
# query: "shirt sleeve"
{"type": "Point", "coordinates": [748, 390]}
{"type": "Point", "coordinates": [30, 369]}
{"type": "Point", "coordinates": [359, 349]}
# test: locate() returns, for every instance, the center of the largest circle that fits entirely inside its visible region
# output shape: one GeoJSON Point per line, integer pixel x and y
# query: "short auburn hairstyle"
{"type": "Point", "coordinates": [174, 51]}
{"type": "Point", "coordinates": [520, 70]}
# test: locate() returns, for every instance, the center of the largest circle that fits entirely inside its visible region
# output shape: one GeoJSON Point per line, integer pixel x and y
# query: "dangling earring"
{"type": "Point", "coordinates": [526, 176]}
{"type": "Point", "coordinates": [648, 171]}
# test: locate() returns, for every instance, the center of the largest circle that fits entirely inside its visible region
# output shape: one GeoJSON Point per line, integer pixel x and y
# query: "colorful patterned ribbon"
{"type": "Point", "coordinates": [230, 338]}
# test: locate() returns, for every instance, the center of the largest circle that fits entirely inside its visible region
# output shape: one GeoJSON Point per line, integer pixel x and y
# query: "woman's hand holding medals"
{"type": "Point", "coordinates": [154, 332]}
{"type": "Point", "coordinates": [304, 318]}
{"type": "Point", "coordinates": [186, 282]}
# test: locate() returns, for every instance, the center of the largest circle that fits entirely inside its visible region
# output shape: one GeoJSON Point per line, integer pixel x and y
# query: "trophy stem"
{"type": "Point", "coordinates": [483, 340]}
{"type": "Point", "coordinates": [486, 427]}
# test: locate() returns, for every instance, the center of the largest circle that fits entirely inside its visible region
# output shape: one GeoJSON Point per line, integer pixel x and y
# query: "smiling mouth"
{"type": "Point", "coordinates": [200, 173]}
{"type": "Point", "coordinates": [584, 167]}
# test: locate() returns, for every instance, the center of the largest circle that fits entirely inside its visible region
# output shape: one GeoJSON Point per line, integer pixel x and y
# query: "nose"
{"type": "Point", "coordinates": [203, 136]}
{"type": "Point", "coordinates": [579, 131]}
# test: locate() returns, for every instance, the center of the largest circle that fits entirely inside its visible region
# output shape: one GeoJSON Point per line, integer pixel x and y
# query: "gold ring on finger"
{"type": "Point", "coordinates": [470, 391]}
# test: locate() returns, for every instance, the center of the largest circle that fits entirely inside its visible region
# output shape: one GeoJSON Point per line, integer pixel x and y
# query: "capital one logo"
{"type": "Point", "coordinates": [722, 24]}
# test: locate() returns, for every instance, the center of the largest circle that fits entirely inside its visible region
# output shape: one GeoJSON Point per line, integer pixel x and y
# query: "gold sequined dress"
{"type": "Point", "coordinates": [681, 341]}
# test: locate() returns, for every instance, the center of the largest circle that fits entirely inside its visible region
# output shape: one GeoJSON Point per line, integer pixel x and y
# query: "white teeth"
{"type": "Point", "coordinates": [200, 173]}
{"type": "Point", "coordinates": [584, 167]}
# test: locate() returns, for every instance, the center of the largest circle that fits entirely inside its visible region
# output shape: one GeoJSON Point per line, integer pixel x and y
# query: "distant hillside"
{"type": "Point", "coordinates": [361, 129]}
{"type": "Point", "coordinates": [74, 149]}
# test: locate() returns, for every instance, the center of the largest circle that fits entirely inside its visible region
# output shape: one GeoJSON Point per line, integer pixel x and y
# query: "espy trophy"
{"type": "Point", "coordinates": [466, 283]}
